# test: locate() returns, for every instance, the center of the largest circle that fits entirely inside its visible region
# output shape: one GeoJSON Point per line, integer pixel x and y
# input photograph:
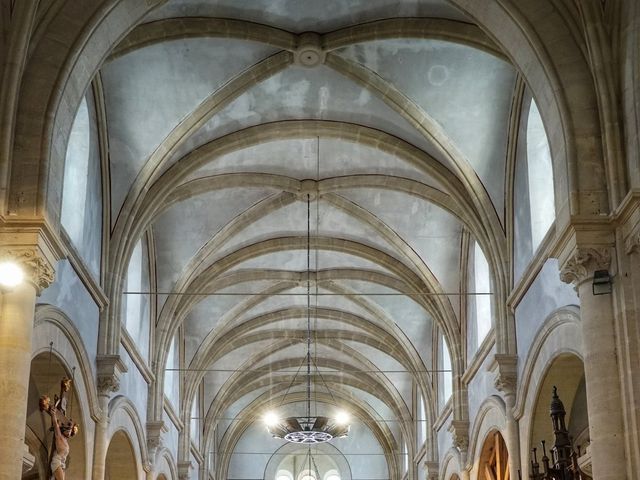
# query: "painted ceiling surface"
{"type": "Point", "coordinates": [368, 152]}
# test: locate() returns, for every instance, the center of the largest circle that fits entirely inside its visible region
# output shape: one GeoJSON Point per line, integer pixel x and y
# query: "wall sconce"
{"type": "Point", "coordinates": [601, 282]}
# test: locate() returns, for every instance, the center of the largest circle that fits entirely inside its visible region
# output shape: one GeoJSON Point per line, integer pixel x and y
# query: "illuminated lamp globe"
{"type": "Point", "coordinates": [11, 275]}
{"type": "Point", "coordinates": [342, 418]}
{"type": "Point", "coordinates": [271, 419]}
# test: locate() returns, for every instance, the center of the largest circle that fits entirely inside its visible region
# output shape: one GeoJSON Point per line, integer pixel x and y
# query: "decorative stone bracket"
{"type": "Point", "coordinates": [110, 369]}
{"type": "Point", "coordinates": [582, 249]}
{"type": "Point", "coordinates": [506, 381]}
{"type": "Point", "coordinates": [34, 249]}
{"type": "Point", "coordinates": [154, 436]}
{"type": "Point", "coordinates": [460, 432]}
{"type": "Point", "coordinates": [431, 470]}
{"type": "Point", "coordinates": [184, 470]}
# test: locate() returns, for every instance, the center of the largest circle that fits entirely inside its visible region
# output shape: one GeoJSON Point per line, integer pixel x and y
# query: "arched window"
{"type": "Point", "coordinates": [479, 314]}
{"type": "Point", "coordinates": [445, 376]}
{"type": "Point", "coordinates": [533, 193]}
{"type": "Point", "coordinates": [195, 420]}
{"type": "Point", "coordinates": [81, 213]}
{"type": "Point", "coordinates": [540, 174]}
{"type": "Point", "coordinates": [421, 428]}
{"type": "Point", "coordinates": [136, 305]}
{"type": "Point", "coordinates": [405, 457]}
{"type": "Point", "coordinates": [171, 377]}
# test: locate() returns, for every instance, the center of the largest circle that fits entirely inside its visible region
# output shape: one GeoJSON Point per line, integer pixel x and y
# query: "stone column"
{"type": "Point", "coordinates": [17, 309]}
{"type": "Point", "coordinates": [460, 435]}
{"type": "Point", "coordinates": [506, 382]}
{"type": "Point", "coordinates": [110, 367]}
{"type": "Point", "coordinates": [600, 363]}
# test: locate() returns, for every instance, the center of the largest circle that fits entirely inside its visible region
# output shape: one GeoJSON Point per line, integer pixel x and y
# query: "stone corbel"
{"type": "Point", "coordinates": [431, 470]}
{"type": "Point", "coordinates": [580, 266]}
{"type": "Point", "coordinates": [582, 249]}
{"type": "Point", "coordinates": [460, 432]}
{"type": "Point", "coordinates": [154, 436]}
{"type": "Point", "coordinates": [506, 381]}
{"type": "Point", "coordinates": [184, 470]}
{"type": "Point", "coordinates": [110, 369]}
{"type": "Point", "coordinates": [36, 252]}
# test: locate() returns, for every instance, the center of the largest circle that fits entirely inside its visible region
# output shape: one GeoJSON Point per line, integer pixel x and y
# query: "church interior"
{"type": "Point", "coordinates": [320, 240]}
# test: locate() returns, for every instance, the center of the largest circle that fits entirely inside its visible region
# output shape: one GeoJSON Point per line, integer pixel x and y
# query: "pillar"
{"type": "Point", "coordinates": [600, 362]}
{"type": "Point", "coordinates": [110, 368]}
{"type": "Point", "coordinates": [506, 381]}
{"type": "Point", "coordinates": [17, 309]}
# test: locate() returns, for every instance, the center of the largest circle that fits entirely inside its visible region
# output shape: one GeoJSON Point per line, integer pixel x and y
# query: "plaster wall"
{"type": "Point", "coordinates": [444, 438]}
{"type": "Point", "coordinates": [134, 386]}
{"type": "Point", "coordinates": [70, 295]}
{"type": "Point", "coordinates": [546, 294]}
{"type": "Point", "coordinates": [481, 386]}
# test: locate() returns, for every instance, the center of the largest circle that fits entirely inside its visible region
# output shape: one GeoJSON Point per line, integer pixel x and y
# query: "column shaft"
{"type": "Point", "coordinates": [603, 385]}
{"type": "Point", "coordinates": [16, 326]}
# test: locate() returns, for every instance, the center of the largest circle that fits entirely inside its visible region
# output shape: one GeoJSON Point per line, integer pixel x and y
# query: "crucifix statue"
{"type": "Point", "coordinates": [62, 426]}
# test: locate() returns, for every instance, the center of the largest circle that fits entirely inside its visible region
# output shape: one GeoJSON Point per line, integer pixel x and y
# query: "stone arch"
{"type": "Point", "coordinates": [451, 464]}
{"type": "Point", "coordinates": [121, 459]}
{"type": "Point", "coordinates": [491, 418]}
{"type": "Point", "coordinates": [47, 370]}
{"type": "Point", "coordinates": [165, 465]}
{"type": "Point", "coordinates": [559, 337]}
{"type": "Point", "coordinates": [52, 324]}
{"type": "Point", "coordinates": [493, 462]}
{"type": "Point", "coordinates": [124, 418]}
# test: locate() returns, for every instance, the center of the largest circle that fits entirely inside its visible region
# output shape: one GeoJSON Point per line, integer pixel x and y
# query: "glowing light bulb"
{"type": "Point", "coordinates": [342, 418]}
{"type": "Point", "coordinates": [271, 419]}
{"type": "Point", "coordinates": [11, 275]}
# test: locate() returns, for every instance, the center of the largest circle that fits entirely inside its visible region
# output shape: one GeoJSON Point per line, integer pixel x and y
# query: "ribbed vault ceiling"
{"type": "Point", "coordinates": [217, 134]}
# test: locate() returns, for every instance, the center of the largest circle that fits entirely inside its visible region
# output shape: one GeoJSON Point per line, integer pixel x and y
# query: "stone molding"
{"type": "Point", "coordinates": [110, 369]}
{"type": "Point", "coordinates": [580, 266]}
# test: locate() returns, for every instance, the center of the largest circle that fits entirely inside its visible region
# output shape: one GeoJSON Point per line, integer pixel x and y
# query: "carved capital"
{"type": "Point", "coordinates": [632, 243]}
{"type": "Point", "coordinates": [110, 368]}
{"type": "Point", "coordinates": [506, 368]}
{"type": "Point", "coordinates": [184, 470]}
{"type": "Point", "coordinates": [584, 261]}
{"type": "Point", "coordinates": [35, 247]}
{"type": "Point", "coordinates": [37, 269]}
{"type": "Point", "coordinates": [460, 434]}
{"type": "Point", "coordinates": [154, 436]}
{"type": "Point", "coordinates": [431, 470]}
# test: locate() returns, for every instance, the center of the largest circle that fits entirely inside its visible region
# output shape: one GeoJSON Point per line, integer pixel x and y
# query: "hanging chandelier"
{"type": "Point", "coordinates": [308, 429]}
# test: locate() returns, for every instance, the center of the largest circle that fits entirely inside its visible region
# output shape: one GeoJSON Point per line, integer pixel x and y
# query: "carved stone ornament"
{"type": "Point", "coordinates": [506, 380]}
{"type": "Point", "coordinates": [460, 433]}
{"type": "Point", "coordinates": [110, 368]}
{"type": "Point", "coordinates": [108, 384]}
{"type": "Point", "coordinates": [581, 265]}
{"type": "Point", "coordinates": [36, 269]}
{"type": "Point", "coordinates": [184, 470]}
{"type": "Point", "coordinates": [632, 243]}
{"type": "Point", "coordinates": [431, 470]}
{"type": "Point", "coordinates": [154, 436]}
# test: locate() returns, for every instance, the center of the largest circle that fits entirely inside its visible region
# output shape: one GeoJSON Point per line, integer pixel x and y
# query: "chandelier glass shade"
{"type": "Point", "coordinates": [308, 429]}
